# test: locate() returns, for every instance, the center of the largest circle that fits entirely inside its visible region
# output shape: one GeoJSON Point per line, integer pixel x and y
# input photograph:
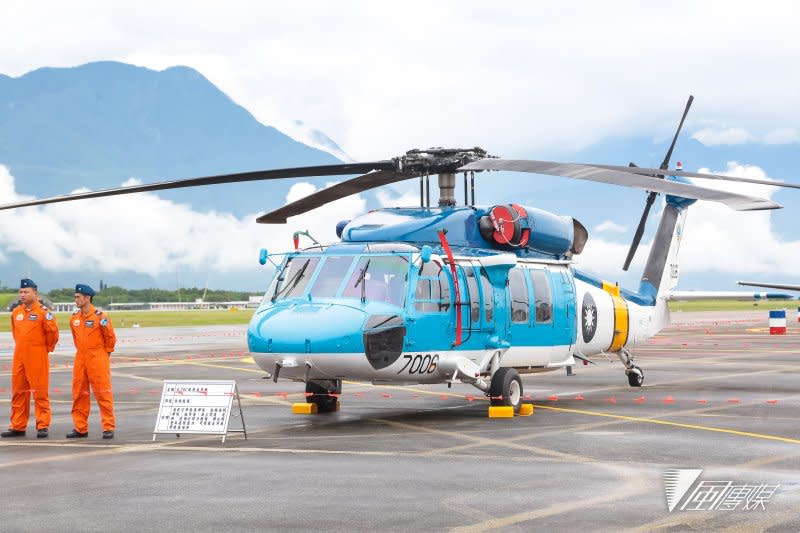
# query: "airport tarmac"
{"type": "Point", "coordinates": [720, 394]}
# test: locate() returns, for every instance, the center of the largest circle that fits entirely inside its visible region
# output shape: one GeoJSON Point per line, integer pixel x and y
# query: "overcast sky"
{"type": "Point", "coordinates": [382, 77]}
{"type": "Point", "coordinates": [515, 77]}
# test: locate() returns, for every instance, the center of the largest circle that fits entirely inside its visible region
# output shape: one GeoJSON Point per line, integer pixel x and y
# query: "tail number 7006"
{"type": "Point", "coordinates": [420, 364]}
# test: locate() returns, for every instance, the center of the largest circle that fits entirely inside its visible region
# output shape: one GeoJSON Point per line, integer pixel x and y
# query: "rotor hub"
{"type": "Point", "coordinates": [438, 160]}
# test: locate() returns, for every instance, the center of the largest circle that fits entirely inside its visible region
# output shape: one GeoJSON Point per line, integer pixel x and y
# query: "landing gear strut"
{"type": "Point", "coordinates": [319, 392]}
{"type": "Point", "coordinates": [634, 373]}
{"type": "Point", "coordinates": [506, 388]}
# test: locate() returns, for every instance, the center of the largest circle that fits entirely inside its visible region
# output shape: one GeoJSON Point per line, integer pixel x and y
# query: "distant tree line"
{"type": "Point", "coordinates": [116, 294]}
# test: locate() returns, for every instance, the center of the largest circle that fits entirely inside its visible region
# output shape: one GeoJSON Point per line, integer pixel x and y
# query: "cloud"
{"type": "Point", "coordinates": [517, 94]}
{"type": "Point", "coordinates": [388, 198]}
{"type": "Point", "coordinates": [610, 227]}
{"type": "Point", "coordinates": [736, 136]}
{"type": "Point", "coordinates": [718, 239]}
{"type": "Point", "coordinates": [147, 234]}
{"type": "Point", "coordinates": [782, 136]}
{"type": "Point", "coordinates": [719, 136]}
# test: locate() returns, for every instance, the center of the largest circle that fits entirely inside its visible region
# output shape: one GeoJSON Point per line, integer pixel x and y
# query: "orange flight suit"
{"type": "Point", "coordinates": [35, 335]}
{"type": "Point", "coordinates": [95, 339]}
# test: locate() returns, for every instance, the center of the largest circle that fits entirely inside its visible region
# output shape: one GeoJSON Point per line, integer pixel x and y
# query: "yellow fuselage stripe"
{"type": "Point", "coordinates": [621, 318]}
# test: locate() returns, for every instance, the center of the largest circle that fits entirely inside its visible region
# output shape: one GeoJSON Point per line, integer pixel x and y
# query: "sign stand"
{"type": "Point", "coordinates": [198, 407]}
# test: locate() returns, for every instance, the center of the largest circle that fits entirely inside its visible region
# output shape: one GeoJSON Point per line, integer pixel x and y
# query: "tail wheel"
{"type": "Point", "coordinates": [319, 392]}
{"type": "Point", "coordinates": [506, 388]}
{"type": "Point", "coordinates": [635, 377]}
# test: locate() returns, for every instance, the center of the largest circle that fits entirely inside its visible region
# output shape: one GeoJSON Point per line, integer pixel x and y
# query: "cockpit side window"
{"type": "Point", "coordinates": [294, 277]}
{"type": "Point", "coordinates": [380, 278]}
{"type": "Point", "coordinates": [330, 277]}
{"type": "Point", "coordinates": [432, 293]}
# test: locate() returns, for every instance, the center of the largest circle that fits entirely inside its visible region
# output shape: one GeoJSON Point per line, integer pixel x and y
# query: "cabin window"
{"type": "Point", "coordinates": [433, 289]}
{"type": "Point", "coordinates": [379, 278]}
{"type": "Point", "coordinates": [474, 298]}
{"type": "Point", "coordinates": [543, 297]}
{"type": "Point", "coordinates": [519, 296]}
{"type": "Point", "coordinates": [488, 296]}
{"type": "Point", "coordinates": [294, 277]}
{"type": "Point", "coordinates": [330, 277]}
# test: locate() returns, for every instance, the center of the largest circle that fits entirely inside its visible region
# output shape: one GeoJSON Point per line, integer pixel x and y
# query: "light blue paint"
{"type": "Point", "coordinates": [679, 201]}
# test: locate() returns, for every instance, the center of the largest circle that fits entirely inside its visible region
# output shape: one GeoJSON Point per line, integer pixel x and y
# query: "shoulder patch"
{"type": "Point", "coordinates": [48, 316]}
{"type": "Point", "coordinates": [104, 322]}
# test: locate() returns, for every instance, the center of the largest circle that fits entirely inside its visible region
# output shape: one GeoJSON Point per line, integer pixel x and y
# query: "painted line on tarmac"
{"type": "Point", "coordinates": [97, 449]}
{"type": "Point", "coordinates": [683, 381]}
{"type": "Point", "coordinates": [296, 451]}
{"type": "Point", "coordinates": [490, 442]}
{"type": "Point", "coordinates": [756, 463]}
{"type": "Point", "coordinates": [214, 365]}
{"type": "Point", "coordinates": [633, 485]}
{"type": "Point", "coordinates": [134, 376]}
{"type": "Point", "coordinates": [761, 436]}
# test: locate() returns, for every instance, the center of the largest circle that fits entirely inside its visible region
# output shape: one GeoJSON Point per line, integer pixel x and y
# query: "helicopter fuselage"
{"type": "Point", "coordinates": [381, 313]}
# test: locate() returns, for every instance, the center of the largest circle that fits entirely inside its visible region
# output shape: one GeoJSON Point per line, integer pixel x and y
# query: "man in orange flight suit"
{"type": "Point", "coordinates": [35, 335]}
{"type": "Point", "coordinates": [94, 339]}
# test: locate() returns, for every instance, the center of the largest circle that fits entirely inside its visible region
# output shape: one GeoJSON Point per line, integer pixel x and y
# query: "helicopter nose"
{"type": "Point", "coordinates": [307, 328]}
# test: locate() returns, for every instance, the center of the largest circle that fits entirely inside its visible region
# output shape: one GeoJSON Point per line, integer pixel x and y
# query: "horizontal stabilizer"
{"type": "Point", "coordinates": [781, 286]}
{"type": "Point", "coordinates": [688, 296]}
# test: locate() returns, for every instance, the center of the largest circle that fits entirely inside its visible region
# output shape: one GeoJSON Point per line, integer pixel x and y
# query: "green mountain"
{"type": "Point", "coordinates": [99, 124]}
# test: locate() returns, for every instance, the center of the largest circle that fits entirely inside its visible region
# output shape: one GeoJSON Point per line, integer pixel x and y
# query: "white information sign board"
{"type": "Point", "coordinates": [198, 407]}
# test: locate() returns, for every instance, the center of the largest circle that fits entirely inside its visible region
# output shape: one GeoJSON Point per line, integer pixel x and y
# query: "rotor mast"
{"type": "Point", "coordinates": [444, 162]}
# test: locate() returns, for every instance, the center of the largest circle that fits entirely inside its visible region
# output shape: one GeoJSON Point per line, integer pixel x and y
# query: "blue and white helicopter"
{"type": "Point", "coordinates": [457, 293]}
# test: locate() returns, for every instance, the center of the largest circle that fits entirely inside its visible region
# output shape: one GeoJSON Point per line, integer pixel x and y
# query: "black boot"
{"type": "Point", "coordinates": [75, 434]}
{"type": "Point", "coordinates": [12, 433]}
{"type": "Point", "coordinates": [108, 434]}
{"type": "Point", "coordinates": [41, 433]}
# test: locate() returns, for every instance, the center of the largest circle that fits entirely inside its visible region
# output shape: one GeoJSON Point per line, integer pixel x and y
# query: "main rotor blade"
{"type": "Point", "coordinates": [653, 172]}
{"type": "Point", "coordinates": [637, 237]}
{"type": "Point", "coordinates": [665, 163]}
{"type": "Point", "coordinates": [259, 175]}
{"type": "Point", "coordinates": [770, 285]}
{"type": "Point", "coordinates": [332, 193]}
{"type": "Point", "coordinates": [738, 202]}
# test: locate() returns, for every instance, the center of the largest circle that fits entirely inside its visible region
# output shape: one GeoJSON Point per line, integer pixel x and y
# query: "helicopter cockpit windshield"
{"type": "Point", "coordinates": [373, 278]}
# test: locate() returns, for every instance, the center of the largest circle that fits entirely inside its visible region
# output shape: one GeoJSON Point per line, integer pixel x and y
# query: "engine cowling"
{"type": "Point", "coordinates": [516, 226]}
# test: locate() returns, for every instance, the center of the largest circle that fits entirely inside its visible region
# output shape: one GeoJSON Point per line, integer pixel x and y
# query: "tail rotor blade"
{"type": "Point", "coordinates": [665, 164]}
{"type": "Point", "coordinates": [637, 237]}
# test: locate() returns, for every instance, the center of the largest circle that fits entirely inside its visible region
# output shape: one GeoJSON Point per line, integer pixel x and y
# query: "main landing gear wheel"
{"type": "Point", "coordinates": [635, 376]}
{"type": "Point", "coordinates": [319, 392]}
{"type": "Point", "coordinates": [506, 388]}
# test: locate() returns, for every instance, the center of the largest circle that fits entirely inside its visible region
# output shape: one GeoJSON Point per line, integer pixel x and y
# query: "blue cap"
{"type": "Point", "coordinates": [340, 227]}
{"type": "Point", "coordinates": [86, 290]}
{"type": "Point", "coordinates": [27, 283]}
